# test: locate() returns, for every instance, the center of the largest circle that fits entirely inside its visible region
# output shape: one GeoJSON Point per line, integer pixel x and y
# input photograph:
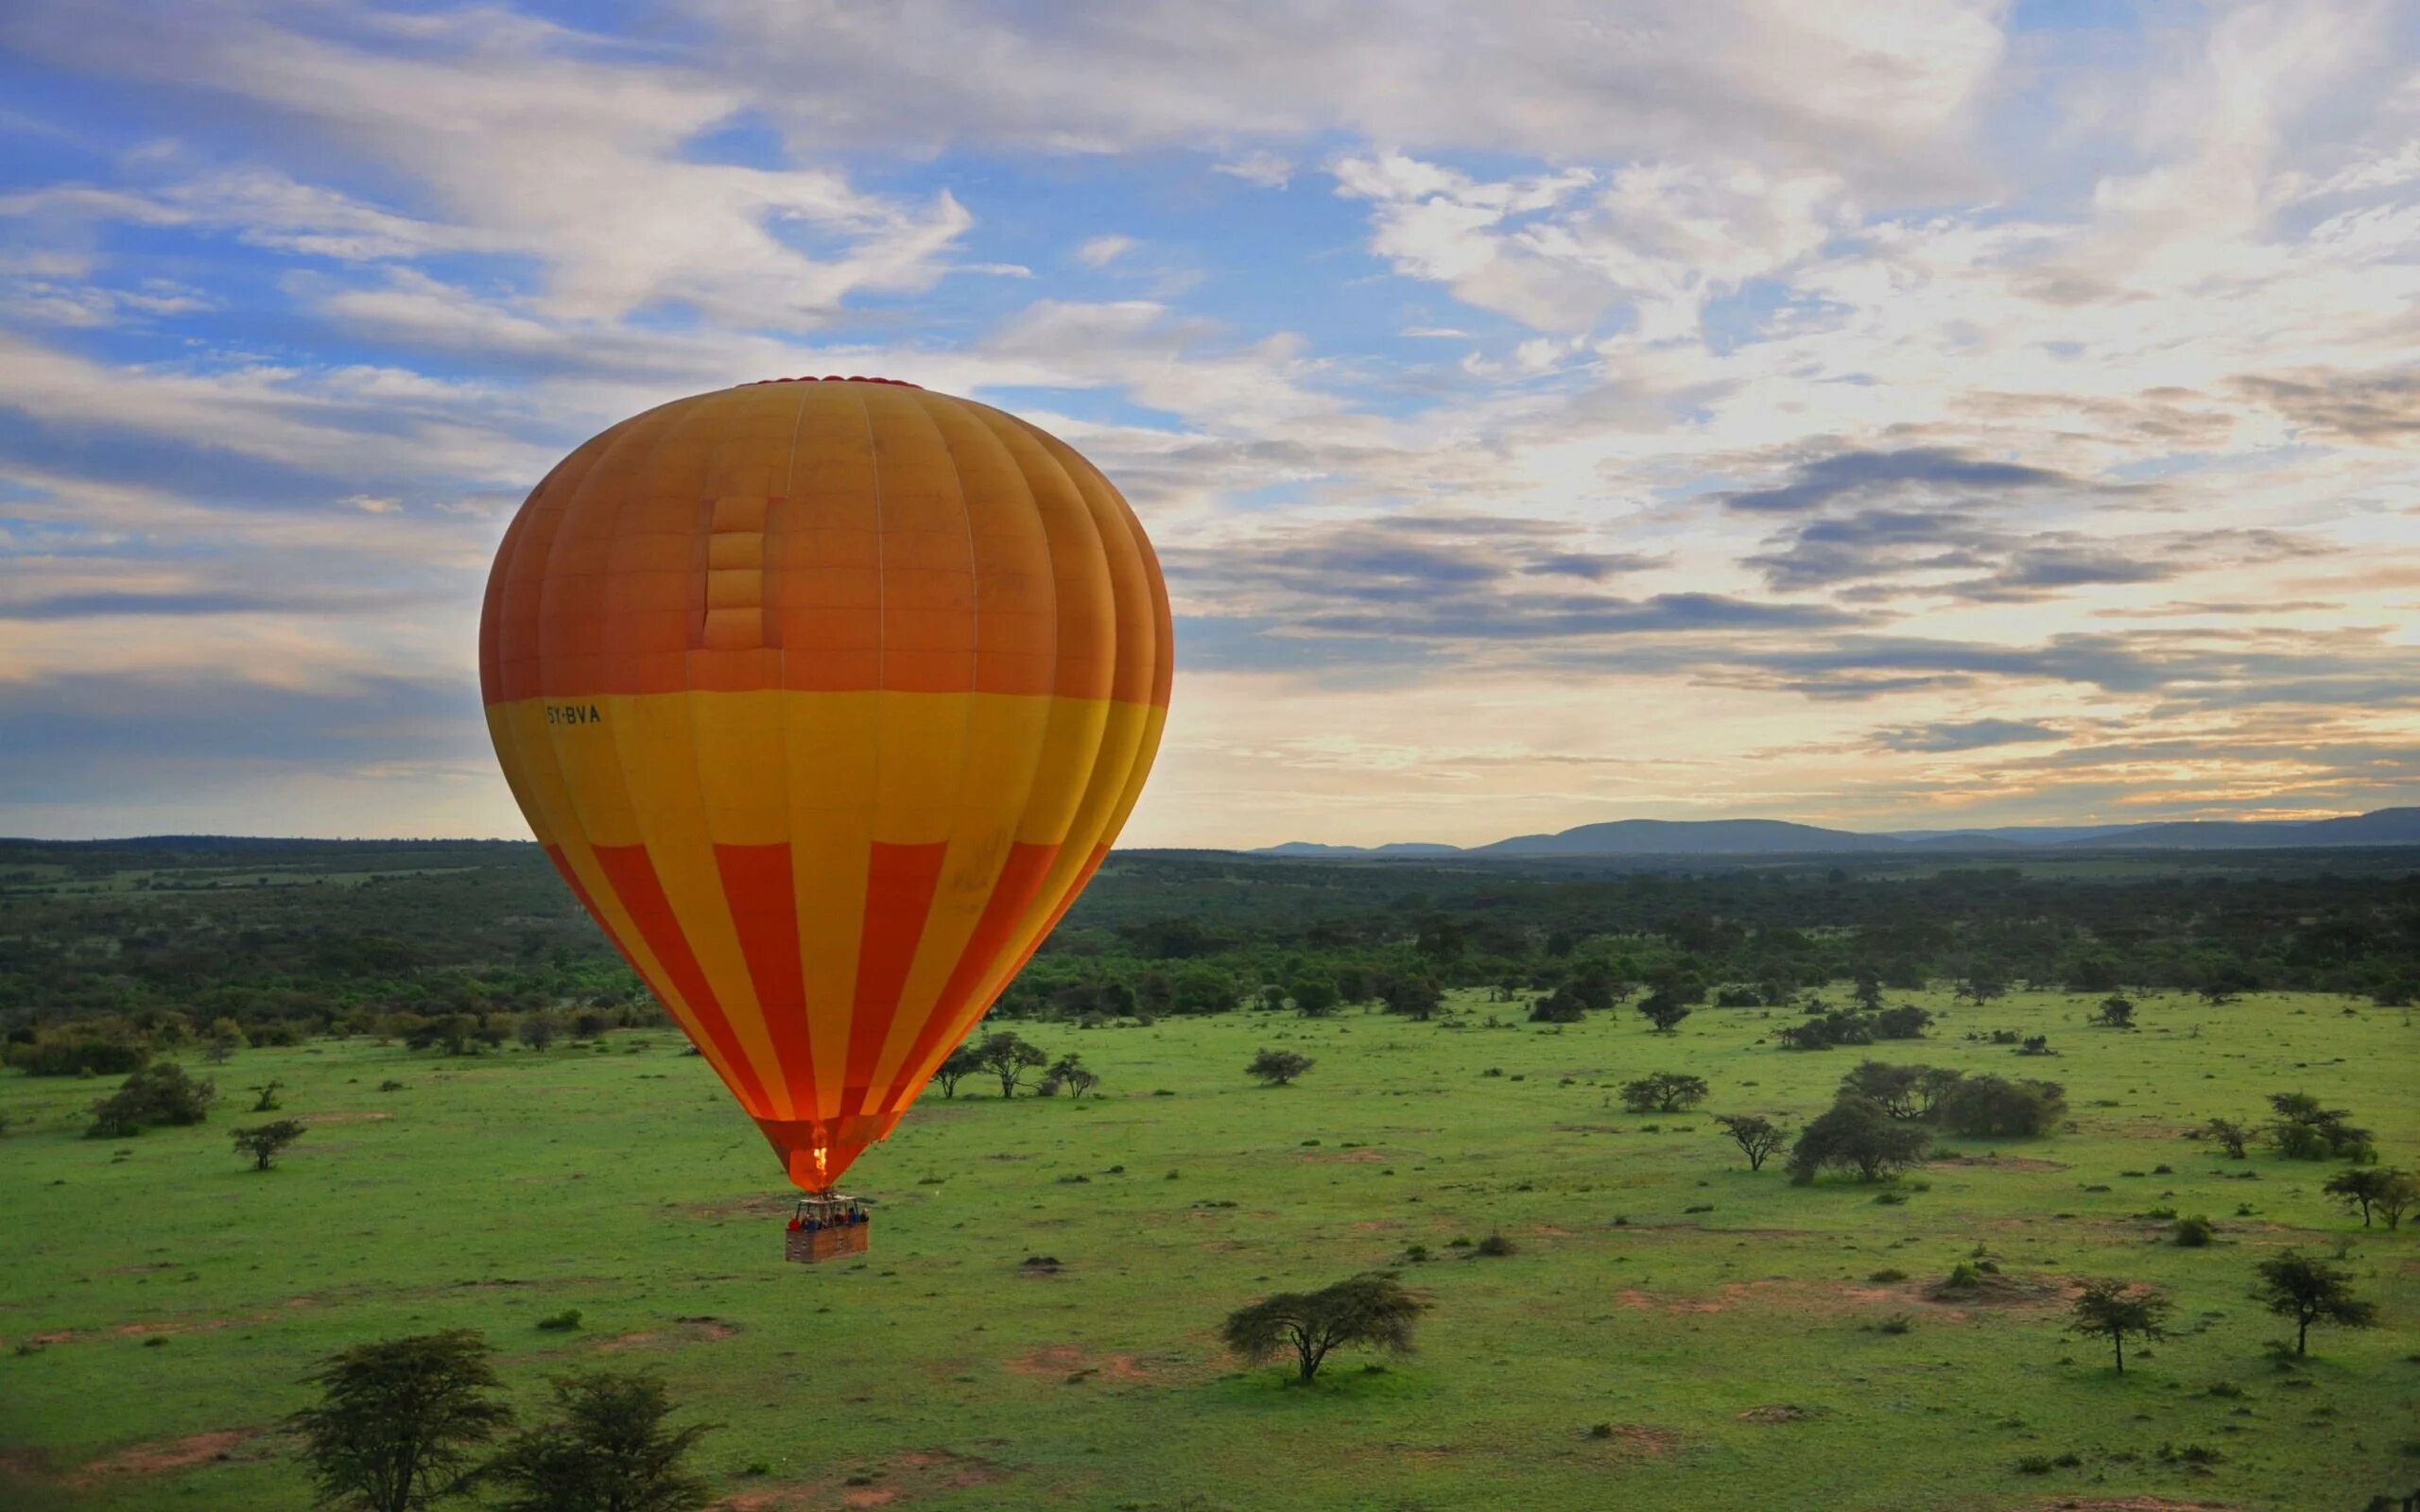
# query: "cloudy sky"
{"type": "Point", "coordinates": [1880, 413]}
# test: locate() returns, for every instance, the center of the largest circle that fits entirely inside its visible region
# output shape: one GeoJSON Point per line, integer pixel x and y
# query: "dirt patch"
{"type": "Point", "coordinates": [1374, 1225]}
{"type": "Point", "coordinates": [684, 1331]}
{"type": "Point", "coordinates": [1352, 1156]}
{"type": "Point", "coordinates": [1072, 1363]}
{"type": "Point", "coordinates": [1780, 1412]}
{"type": "Point", "coordinates": [1638, 1440]}
{"type": "Point", "coordinates": [1990, 1290]}
{"type": "Point", "coordinates": [901, 1480]}
{"type": "Point", "coordinates": [346, 1118]}
{"type": "Point", "coordinates": [167, 1455]}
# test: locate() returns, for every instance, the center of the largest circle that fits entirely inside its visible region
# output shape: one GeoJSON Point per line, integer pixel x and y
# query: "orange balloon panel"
{"type": "Point", "coordinates": [827, 698]}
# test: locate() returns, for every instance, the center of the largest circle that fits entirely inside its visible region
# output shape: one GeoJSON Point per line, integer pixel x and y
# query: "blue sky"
{"type": "Point", "coordinates": [1900, 413]}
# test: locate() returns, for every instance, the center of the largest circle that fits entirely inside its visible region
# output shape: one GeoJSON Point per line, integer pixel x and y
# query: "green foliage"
{"type": "Point", "coordinates": [2117, 1310]}
{"type": "Point", "coordinates": [2304, 1130]}
{"type": "Point", "coordinates": [1756, 1136]}
{"type": "Point", "coordinates": [1278, 1067]}
{"type": "Point", "coordinates": [607, 1449]}
{"type": "Point", "coordinates": [2192, 1232]}
{"type": "Point", "coordinates": [263, 1143]}
{"type": "Point", "coordinates": [957, 1066]}
{"type": "Point", "coordinates": [1374, 1310]}
{"type": "Point", "coordinates": [84, 1050]}
{"type": "Point", "coordinates": [2307, 1290]}
{"type": "Point", "coordinates": [397, 1421]}
{"type": "Point", "coordinates": [1664, 1092]}
{"type": "Point", "coordinates": [158, 1095]}
{"type": "Point", "coordinates": [1006, 1055]}
{"type": "Point", "coordinates": [1987, 1106]}
{"type": "Point", "coordinates": [1857, 1134]}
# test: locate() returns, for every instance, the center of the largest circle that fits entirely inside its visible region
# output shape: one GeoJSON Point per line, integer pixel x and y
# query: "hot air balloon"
{"type": "Point", "coordinates": [826, 697]}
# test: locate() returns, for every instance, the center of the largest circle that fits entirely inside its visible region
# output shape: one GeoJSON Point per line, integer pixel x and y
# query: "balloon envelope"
{"type": "Point", "coordinates": [826, 697]}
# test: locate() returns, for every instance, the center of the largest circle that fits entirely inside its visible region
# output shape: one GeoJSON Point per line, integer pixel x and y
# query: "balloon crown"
{"type": "Point", "coordinates": [833, 378]}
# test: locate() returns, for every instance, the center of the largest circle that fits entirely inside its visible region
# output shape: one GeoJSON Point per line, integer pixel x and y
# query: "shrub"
{"type": "Point", "coordinates": [1857, 1134]}
{"type": "Point", "coordinates": [561, 1322]}
{"type": "Point", "coordinates": [1996, 1108]}
{"type": "Point", "coordinates": [1496, 1245]}
{"type": "Point", "coordinates": [1276, 1068]}
{"type": "Point", "coordinates": [160, 1093]}
{"type": "Point", "coordinates": [2192, 1233]}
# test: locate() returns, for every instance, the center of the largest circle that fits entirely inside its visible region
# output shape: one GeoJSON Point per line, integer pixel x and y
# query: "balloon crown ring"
{"type": "Point", "coordinates": [834, 378]}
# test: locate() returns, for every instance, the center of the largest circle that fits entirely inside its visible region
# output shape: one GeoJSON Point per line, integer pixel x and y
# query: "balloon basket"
{"type": "Point", "coordinates": [827, 1226]}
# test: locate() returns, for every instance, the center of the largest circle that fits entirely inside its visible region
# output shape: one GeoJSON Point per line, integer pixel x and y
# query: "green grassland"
{"type": "Point", "coordinates": [159, 1300]}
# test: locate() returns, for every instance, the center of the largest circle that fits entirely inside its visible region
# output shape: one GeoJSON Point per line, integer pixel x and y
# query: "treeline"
{"type": "Point", "coordinates": [459, 945]}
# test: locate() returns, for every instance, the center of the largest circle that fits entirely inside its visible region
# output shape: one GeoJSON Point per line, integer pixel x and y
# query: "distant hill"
{"type": "Point", "coordinates": [1684, 837]}
{"type": "Point", "coordinates": [1688, 838]}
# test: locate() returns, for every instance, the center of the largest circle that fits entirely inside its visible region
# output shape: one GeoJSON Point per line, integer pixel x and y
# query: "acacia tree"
{"type": "Point", "coordinates": [1372, 1311]}
{"type": "Point", "coordinates": [1663, 1008]}
{"type": "Point", "coordinates": [2308, 1290]}
{"type": "Point", "coordinates": [1664, 1092]}
{"type": "Point", "coordinates": [955, 1067]}
{"type": "Point", "coordinates": [2231, 1134]}
{"type": "Point", "coordinates": [609, 1451]}
{"type": "Point", "coordinates": [2118, 1310]}
{"type": "Point", "coordinates": [2360, 1188]}
{"type": "Point", "coordinates": [397, 1420]}
{"type": "Point", "coordinates": [1005, 1054]}
{"type": "Point", "coordinates": [1278, 1067]}
{"type": "Point", "coordinates": [2116, 1012]}
{"type": "Point", "coordinates": [1756, 1136]}
{"type": "Point", "coordinates": [265, 1143]}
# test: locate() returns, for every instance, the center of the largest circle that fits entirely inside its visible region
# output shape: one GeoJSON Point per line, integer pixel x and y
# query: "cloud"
{"type": "Point", "coordinates": [2371, 408]}
{"type": "Point", "coordinates": [1102, 250]}
{"type": "Point", "coordinates": [1265, 169]}
{"type": "Point", "coordinates": [1933, 471]}
{"type": "Point", "coordinates": [1965, 734]}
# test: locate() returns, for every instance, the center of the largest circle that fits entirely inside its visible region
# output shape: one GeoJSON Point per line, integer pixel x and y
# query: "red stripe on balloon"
{"type": "Point", "coordinates": [899, 894]}
{"type": "Point", "coordinates": [1020, 877]}
{"type": "Point", "coordinates": [631, 873]}
{"type": "Point", "coordinates": [1066, 900]}
{"type": "Point", "coordinates": [763, 908]}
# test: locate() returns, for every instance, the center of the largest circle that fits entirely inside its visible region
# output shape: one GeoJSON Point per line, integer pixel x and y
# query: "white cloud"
{"type": "Point", "coordinates": [1102, 250]}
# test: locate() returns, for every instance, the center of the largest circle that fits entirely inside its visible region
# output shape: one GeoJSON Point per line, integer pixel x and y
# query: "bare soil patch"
{"type": "Point", "coordinates": [1069, 1362]}
{"type": "Point", "coordinates": [167, 1455]}
{"type": "Point", "coordinates": [1780, 1412]}
{"type": "Point", "coordinates": [1639, 1441]}
{"type": "Point", "coordinates": [899, 1481]}
{"type": "Point", "coordinates": [347, 1118]}
{"type": "Point", "coordinates": [684, 1331]}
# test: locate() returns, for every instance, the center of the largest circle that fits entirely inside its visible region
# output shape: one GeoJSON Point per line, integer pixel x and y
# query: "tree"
{"type": "Point", "coordinates": [1996, 1108]}
{"type": "Point", "coordinates": [2396, 1196]}
{"type": "Point", "coordinates": [1906, 1022]}
{"type": "Point", "coordinates": [2389, 1193]}
{"type": "Point", "coordinates": [957, 1066]}
{"type": "Point", "coordinates": [2231, 1135]}
{"type": "Point", "coordinates": [264, 1143]}
{"type": "Point", "coordinates": [538, 1030]}
{"type": "Point", "coordinates": [2311, 1291]}
{"type": "Point", "coordinates": [1278, 1067]}
{"type": "Point", "coordinates": [1562, 1006]}
{"type": "Point", "coordinates": [1867, 990]}
{"type": "Point", "coordinates": [159, 1093]}
{"type": "Point", "coordinates": [1375, 1311]}
{"type": "Point", "coordinates": [1756, 1136]}
{"type": "Point", "coordinates": [1315, 997]}
{"type": "Point", "coordinates": [2118, 1310]}
{"type": "Point", "coordinates": [1899, 1089]}
{"type": "Point", "coordinates": [264, 1096]}
{"type": "Point", "coordinates": [1414, 997]}
{"type": "Point", "coordinates": [1663, 1008]}
{"type": "Point", "coordinates": [1857, 1134]}
{"type": "Point", "coordinates": [397, 1420]}
{"type": "Point", "coordinates": [608, 1451]}
{"type": "Point", "coordinates": [1070, 1071]}
{"type": "Point", "coordinates": [2304, 1130]}
{"type": "Point", "coordinates": [2116, 1013]}
{"type": "Point", "coordinates": [1664, 1092]}
{"type": "Point", "coordinates": [1005, 1054]}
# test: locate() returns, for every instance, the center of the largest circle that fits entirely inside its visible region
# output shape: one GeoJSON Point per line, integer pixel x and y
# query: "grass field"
{"type": "Point", "coordinates": [159, 1300]}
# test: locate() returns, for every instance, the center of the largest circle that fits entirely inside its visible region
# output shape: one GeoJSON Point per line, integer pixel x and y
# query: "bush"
{"type": "Point", "coordinates": [2192, 1233]}
{"type": "Point", "coordinates": [1996, 1108]}
{"type": "Point", "coordinates": [1275, 1068]}
{"type": "Point", "coordinates": [161, 1094]}
{"type": "Point", "coordinates": [79, 1052]}
{"type": "Point", "coordinates": [1493, 1245]}
{"type": "Point", "coordinates": [1857, 1134]}
{"type": "Point", "coordinates": [561, 1322]}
